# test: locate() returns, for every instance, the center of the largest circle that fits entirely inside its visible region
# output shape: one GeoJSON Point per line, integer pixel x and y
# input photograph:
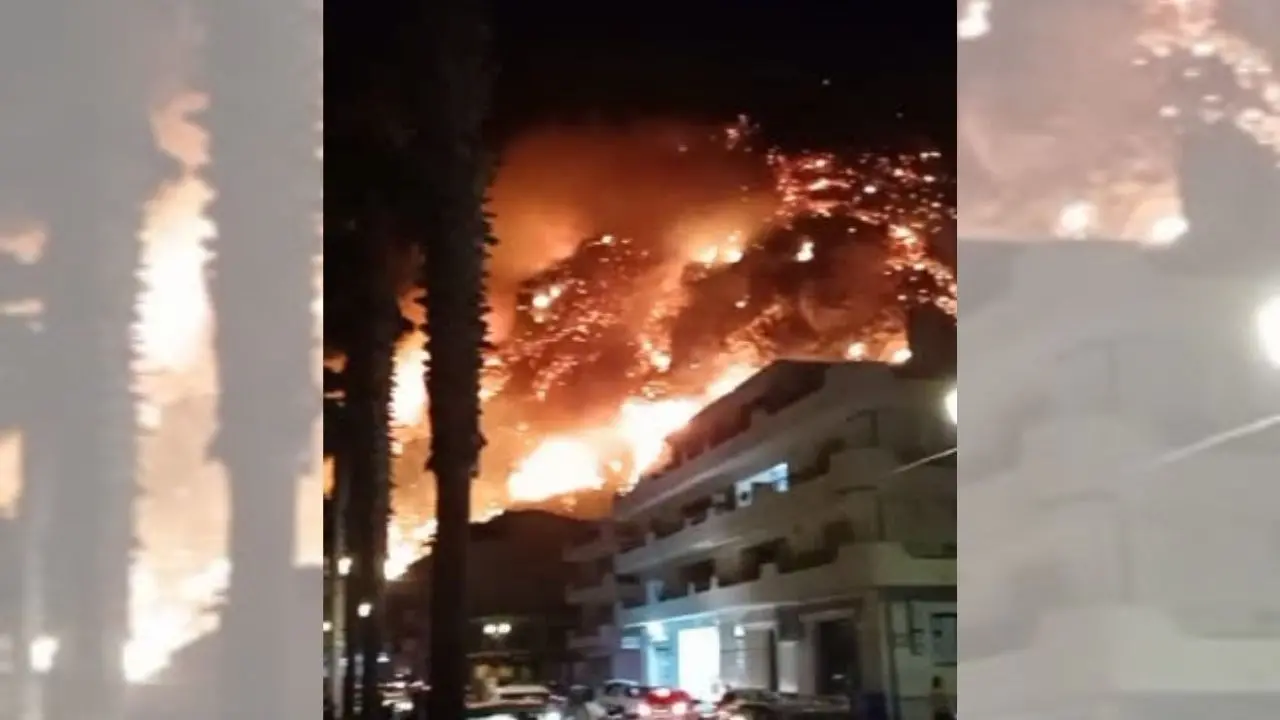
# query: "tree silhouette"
{"type": "Point", "coordinates": [92, 190]}
{"type": "Point", "coordinates": [263, 79]}
{"type": "Point", "coordinates": [362, 322]}
{"type": "Point", "coordinates": [448, 181]}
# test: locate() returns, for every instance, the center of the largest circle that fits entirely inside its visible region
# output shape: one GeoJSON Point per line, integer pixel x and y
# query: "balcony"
{"type": "Point", "coordinates": [766, 435]}
{"type": "Point", "coordinates": [879, 564]}
{"type": "Point", "coordinates": [602, 640]}
{"type": "Point", "coordinates": [769, 515]}
{"type": "Point", "coordinates": [601, 544]}
{"type": "Point", "coordinates": [608, 591]}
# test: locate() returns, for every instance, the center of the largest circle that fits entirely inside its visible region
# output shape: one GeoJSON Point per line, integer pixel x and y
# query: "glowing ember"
{"type": "Point", "coordinates": [1115, 117]}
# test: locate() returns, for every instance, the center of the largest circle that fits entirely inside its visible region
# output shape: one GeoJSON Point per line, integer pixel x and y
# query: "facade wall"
{"type": "Point", "coordinates": [517, 580]}
{"type": "Point", "coordinates": [817, 544]}
{"type": "Point", "coordinates": [1094, 531]}
{"type": "Point", "coordinates": [896, 648]}
{"type": "Point", "coordinates": [626, 665]}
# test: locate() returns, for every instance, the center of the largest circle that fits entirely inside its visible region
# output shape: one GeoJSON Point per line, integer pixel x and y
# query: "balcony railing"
{"type": "Point", "coordinates": [603, 639]}
{"type": "Point", "coordinates": [853, 567]}
{"type": "Point", "coordinates": [609, 590]}
{"type": "Point", "coordinates": [814, 499]}
{"type": "Point", "coordinates": [600, 544]}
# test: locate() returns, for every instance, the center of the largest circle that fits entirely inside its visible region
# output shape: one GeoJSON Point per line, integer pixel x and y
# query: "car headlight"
{"type": "Point", "coordinates": [643, 710]}
{"type": "Point", "coordinates": [404, 705]}
{"type": "Point", "coordinates": [551, 715]}
{"type": "Point", "coordinates": [680, 708]}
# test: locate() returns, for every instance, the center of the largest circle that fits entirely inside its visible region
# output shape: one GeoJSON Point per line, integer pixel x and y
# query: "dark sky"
{"type": "Point", "coordinates": [715, 58]}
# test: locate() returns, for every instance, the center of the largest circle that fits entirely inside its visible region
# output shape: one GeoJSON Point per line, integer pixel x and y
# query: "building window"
{"type": "Point", "coordinates": [777, 477]}
{"type": "Point", "coordinates": [942, 629]}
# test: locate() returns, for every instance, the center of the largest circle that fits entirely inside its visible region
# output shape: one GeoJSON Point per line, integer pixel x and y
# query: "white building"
{"type": "Point", "coordinates": [1117, 501]}
{"type": "Point", "coordinates": [801, 538]}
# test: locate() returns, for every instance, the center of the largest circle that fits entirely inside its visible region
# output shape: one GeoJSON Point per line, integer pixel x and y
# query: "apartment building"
{"type": "Point", "coordinates": [1117, 524]}
{"type": "Point", "coordinates": [596, 591]}
{"type": "Point", "coordinates": [519, 621]}
{"type": "Point", "coordinates": [801, 537]}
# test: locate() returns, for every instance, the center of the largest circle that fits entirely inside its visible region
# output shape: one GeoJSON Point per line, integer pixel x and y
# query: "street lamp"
{"type": "Point", "coordinates": [497, 630]}
{"type": "Point", "coordinates": [41, 654]}
{"type": "Point", "coordinates": [949, 404]}
{"type": "Point", "coordinates": [1268, 328]}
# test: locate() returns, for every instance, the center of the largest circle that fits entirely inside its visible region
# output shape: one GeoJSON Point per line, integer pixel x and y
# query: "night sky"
{"type": "Point", "coordinates": [814, 74]}
{"type": "Point", "coordinates": [889, 70]}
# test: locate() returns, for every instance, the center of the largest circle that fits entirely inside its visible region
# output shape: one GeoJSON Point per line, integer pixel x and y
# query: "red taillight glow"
{"type": "Point", "coordinates": [677, 701]}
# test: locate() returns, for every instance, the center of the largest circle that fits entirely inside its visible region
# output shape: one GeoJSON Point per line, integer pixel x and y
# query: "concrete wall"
{"type": "Point", "coordinates": [627, 665]}
{"type": "Point", "coordinates": [918, 648]}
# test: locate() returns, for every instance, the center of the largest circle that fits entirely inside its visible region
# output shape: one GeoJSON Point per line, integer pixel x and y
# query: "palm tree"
{"type": "Point", "coordinates": [368, 393]}
{"type": "Point", "coordinates": [263, 79]}
{"type": "Point", "coordinates": [92, 189]}
{"type": "Point", "coordinates": [449, 181]}
{"type": "Point", "coordinates": [363, 323]}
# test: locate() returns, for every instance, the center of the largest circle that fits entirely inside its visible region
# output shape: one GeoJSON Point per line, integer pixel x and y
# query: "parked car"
{"type": "Point", "coordinates": [525, 692]}
{"type": "Point", "coordinates": [620, 697]}
{"type": "Point", "coordinates": [639, 702]}
{"type": "Point", "coordinates": [581, 703]}
{"type": "Point", "coordinates": [759, 704]}
{"type": "Point", "coordinates": [514, 710]}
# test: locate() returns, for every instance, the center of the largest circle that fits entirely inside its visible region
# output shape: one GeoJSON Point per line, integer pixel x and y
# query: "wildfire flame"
{"type": "Point", "coordinates": [181, 568]}
{"type": "Point", "coordinates": [1049, 149]}
{"type": "Point", "coordinates": [625, 299]}
{"type": "Point", "coordinates": [1021, 186]}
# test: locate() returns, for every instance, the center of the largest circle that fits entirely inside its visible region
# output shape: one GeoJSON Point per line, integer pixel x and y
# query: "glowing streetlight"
{"type": "Point", "coordinates": [42, 653]}
{"type": "Point", "coordinates": [1268, 328]}
{"type": "Point", "coordinates": [364, 609]}
{"type": "Point", "coordinates": [497, 630]}
{"type": "Point", "coordinates": [344, 566]}
{"type": "Point", "coordinates": [949, 403]}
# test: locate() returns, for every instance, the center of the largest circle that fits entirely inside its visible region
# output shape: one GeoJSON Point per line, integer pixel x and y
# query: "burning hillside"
{"type": "Point", "coordinates": [1071, 114]}
{"type": "Point", "coordinates": [609, 342]}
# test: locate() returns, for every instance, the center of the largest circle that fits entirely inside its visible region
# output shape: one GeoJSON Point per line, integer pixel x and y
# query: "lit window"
{"type": "Point", "coordinates": [779, 477]}
{"type": "Point", "coordinates": [776, 477]}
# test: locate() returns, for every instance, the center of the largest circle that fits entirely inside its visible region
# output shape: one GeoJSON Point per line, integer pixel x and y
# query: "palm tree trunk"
{"type": "Point", "coordinates": [99, 180]}
{"type": "Point", "coordinates": [368, 375]}
{"type": "Point", "coordinates": [263, 70]}
{"type": "Point", "coordinates": [452, 168]}
{"type": "Point", "coordinates": [364, 325]}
